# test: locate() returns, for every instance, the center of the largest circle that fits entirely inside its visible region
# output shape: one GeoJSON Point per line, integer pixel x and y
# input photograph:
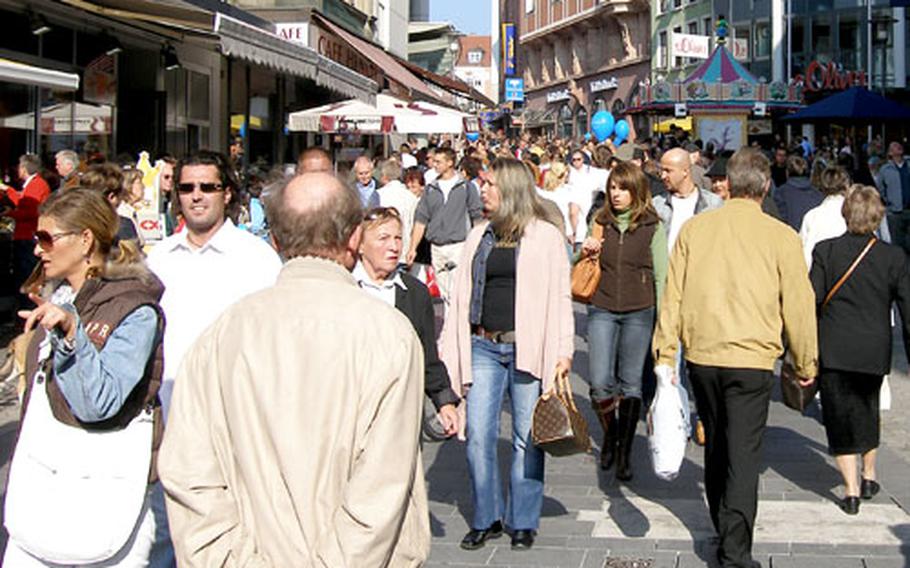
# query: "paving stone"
{"type": "Point", "coordinates": [886, 562]}
{"type": "Point", "coordinates": [537, 556]}
{"type": "Point", "coordinates": [807, 561]}
{"type": "Point", "coordinates": [452, 553]}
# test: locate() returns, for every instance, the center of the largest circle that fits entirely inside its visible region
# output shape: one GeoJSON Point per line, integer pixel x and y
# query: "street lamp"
{"type": "Point", "coordinates": [880, 32]}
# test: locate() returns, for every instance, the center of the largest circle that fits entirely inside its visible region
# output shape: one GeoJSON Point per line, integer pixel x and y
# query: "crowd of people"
{"type": "Point", "coordinates": [249, 389]}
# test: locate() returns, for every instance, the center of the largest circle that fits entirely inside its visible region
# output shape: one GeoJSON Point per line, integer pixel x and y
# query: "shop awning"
{"type": "Point", "coordinates": [382, 59]}
{"type": "Point", "coordinates": [258, 46]}
{"type": "Point", "coordinates": [15, 72]}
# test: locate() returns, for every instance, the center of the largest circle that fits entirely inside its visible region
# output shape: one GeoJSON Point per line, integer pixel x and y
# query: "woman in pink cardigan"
{"type": "Point", "coordinates": [510, 327]}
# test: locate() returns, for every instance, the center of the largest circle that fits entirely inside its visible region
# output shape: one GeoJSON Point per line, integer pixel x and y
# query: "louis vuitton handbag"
{"type": "Point", "coordinates": [556, 426]}
{"type": "Point", "coordinates": [586, 272]}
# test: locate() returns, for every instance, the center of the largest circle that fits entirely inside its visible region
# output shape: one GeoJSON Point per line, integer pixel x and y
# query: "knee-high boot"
{"type": "Point", "coordinates": [606, 415]}
{"type": "Point", "coordinates": [629, 409]}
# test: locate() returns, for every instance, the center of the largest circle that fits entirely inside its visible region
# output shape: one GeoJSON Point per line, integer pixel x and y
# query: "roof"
{"type": "Point", "coordinates": [457, 86]}
{"type": "Point", "coordinates": [470, 43]}
{"type": "Point", "coordinates": [721, 67]}
{"type": "Point", "coordinates": [854, 104]}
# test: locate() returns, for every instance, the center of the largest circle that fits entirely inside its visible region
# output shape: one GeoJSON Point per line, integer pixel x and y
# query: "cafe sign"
{"type": "Point", "coordinates": [605, 84]}
{"type": "Point", "coordinates": [827, 77]}
{"type": "Point", "coordinates": [557, 96]}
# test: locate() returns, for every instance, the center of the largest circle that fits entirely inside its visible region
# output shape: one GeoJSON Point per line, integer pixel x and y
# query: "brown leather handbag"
{"type": "Point", "coordinates": [556, 426]}
{"type": "Point", "coordinates": [586, 272]}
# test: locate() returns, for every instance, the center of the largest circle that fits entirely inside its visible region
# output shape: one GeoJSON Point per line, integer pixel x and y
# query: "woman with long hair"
{"type": "Point", "coordinates": [84, 462]}
{"type": "Point", "coordinates": [633, 263]}
{"type": "Point", "coordinates": [510, 328]}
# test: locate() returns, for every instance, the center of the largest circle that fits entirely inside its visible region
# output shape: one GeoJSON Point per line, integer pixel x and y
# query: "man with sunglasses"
{"type": "Point", "coordinates": [205, 268]}
{"type": "Point", "coordinates": [210, 264]}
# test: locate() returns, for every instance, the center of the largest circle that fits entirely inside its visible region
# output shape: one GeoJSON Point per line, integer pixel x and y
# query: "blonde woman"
{"type": "Point", "coordinates": [556, 190]}
{"type": "Point", "coordinates": [510, 328]}
{"type": "Point", "coordinates": [84, 464]}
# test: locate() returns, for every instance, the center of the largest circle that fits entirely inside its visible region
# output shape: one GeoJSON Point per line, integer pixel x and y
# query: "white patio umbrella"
{"type": "Point", "coordinates": [390, 114]}
{"type": "Point", "coordinates": [58, 118]}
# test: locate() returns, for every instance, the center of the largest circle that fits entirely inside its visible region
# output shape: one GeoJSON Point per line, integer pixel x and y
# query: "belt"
{"type": "Point", "coordinates": [494, 336]}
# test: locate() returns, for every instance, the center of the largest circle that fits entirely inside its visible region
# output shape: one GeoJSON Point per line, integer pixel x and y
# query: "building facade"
{"type": "Point", "coordinates": [475, 64]}
{"type": "Point", "coordinates": [578, 57]}
{"type": "Point", "coordinates": [668, 17]}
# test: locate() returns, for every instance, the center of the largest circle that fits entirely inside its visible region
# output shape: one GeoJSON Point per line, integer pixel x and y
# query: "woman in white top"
{"type": "Point", "coordinates": [556, 190]}
{"type": "Point", "coordinates": [826, 221]}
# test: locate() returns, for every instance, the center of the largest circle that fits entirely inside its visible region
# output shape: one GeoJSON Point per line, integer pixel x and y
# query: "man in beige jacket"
{"type": "Point", "coordinates": [737, 283]}
{"type": "Point", "coordinates": [293, 434]}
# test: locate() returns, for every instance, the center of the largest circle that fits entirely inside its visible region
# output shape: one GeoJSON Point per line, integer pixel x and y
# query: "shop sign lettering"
{"type": "Point", "coordinates": [822, 77]}
{"type": "Point", "coordinates": [604, 84]}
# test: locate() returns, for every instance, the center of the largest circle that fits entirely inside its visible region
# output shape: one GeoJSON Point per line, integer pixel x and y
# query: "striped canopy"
{"type": "Point", "coordinates": [721, 67]}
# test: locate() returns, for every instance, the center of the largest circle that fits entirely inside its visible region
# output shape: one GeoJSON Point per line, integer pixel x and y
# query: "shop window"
{"type": "Point", "coordinates": [599, 105]}
{"type": "Point", "coordinates": [619, 108]}
{"type": "Point", "coordinates": [57, 44]}
{"type": "Point", "coordinates": [564, 122]}
{"type": "Point", "coordinates": [16, 34]}
{"type": "Point", "coordinates": [188, 111]}
{"type": "Point", "coordinates": [581, 121]}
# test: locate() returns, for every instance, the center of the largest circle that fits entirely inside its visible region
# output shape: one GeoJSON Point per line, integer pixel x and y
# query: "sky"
{"type": "Point", "coordinates": [468, 16]}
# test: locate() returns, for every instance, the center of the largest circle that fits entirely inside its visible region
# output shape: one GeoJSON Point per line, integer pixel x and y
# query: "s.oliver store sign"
{"type": "Point", "coordinates": [827, 77]}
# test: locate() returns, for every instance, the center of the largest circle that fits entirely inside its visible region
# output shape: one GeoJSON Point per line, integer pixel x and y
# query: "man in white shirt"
{"type": "Point", "coordinates": [583, 181]}
{"type": "Point", "coordinates": [208, 266]}
{"type": "Point", "coordinates": [682, 201]}
{"type": "Point", "coordinates": [393, 193]}
{"type": "Point", "coordinates": [407, 159]}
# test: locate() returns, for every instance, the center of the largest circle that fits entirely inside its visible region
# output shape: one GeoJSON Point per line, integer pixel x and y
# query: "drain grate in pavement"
{"type": "Point", "coordinates": [628, 563]}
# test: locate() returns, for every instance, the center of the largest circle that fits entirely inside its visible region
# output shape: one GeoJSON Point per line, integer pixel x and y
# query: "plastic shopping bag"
{"type": "Point", "coordinates": [667, 432]}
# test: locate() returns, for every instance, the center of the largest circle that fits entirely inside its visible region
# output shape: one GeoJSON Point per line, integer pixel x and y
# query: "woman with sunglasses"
{"type": "Point", "coordinates": [84, 462]}
{"type": "Point", "coordinates": [633, 263]}
{"type": "Point", "coordinates": [377, 272]}
{"type": "Point", "coordinates": [510, 328]}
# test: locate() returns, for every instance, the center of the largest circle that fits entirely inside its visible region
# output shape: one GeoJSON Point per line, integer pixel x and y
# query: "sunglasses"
{"type": "Point", "coordinates": [204, 187]}
{"type": "Point", "coordinates": [381, 213]}
{"type": "Point", "coordinates": [46, 240]}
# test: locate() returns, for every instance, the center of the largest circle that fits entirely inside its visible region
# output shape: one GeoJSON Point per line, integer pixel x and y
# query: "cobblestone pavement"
{"type": "Point", "coordinates": [591, 521]}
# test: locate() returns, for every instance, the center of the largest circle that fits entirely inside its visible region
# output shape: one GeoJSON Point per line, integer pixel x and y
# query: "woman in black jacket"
{"type": "Point", "coordinates": [854, 336]}
{"type": "Point", "coordinates": [377, 273]}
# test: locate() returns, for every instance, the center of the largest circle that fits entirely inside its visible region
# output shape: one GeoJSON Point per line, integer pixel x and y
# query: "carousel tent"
{"type": "Point", "coordinates": [721, 67]}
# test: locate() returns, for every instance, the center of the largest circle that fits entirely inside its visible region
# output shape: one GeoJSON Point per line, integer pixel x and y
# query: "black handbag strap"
{"type": "Point", "coordinates": [849, 271]}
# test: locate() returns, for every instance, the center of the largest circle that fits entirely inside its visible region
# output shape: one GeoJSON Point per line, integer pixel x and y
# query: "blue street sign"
{"type": "Point", "coordinates": [515, 90]}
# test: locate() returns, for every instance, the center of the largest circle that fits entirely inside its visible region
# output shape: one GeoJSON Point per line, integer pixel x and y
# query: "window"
{"type": "Point", "coordinates": [529, 6]}
{"type": "Point", "coordinates": [741, 43]}
{"type": "Point", "coordinates": [762, 41]}
{"type": "Point", "coordinates": [677, 4]}
{"type": "Point", "coordinates": [708, 30]}
{"type": "Point", "coordinates": [677, 61]}
{"type": "Point", "coordinates": [662, 50]}
{"type": "Point", "coordinates": [475, 56]}
{"type": "Point", "coordinates": [692, 29]}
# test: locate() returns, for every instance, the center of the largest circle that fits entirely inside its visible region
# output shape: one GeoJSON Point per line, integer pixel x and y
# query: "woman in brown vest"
{"type": "Point", "coordinates": [83, 469]}
{"type": "Point", "coordinates": [633, 262]}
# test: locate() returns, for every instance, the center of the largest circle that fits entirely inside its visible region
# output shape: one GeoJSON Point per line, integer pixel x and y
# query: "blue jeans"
{"type": "Point", "coordinates": [493, 368]}
{"type": "Point", "coordinates": [617, 346]}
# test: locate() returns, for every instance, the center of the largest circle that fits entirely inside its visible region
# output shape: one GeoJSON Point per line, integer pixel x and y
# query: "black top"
{"type": "Point", "coordinates": [416, 304]}
{"type": "Point", "coordinates": [499, 290]}
{"type": "Point", "coordinates": [854, 329]}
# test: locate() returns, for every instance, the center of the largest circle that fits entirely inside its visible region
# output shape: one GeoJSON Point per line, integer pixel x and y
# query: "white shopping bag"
{"type": "Point", "coordinates": [667, 432]}
{"type": "Point", "coordinates": [884, 395]}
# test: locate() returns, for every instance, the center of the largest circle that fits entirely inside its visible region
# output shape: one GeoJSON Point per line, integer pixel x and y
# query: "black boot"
{"type": "Point", "coordinates": [629, 409]}
{"type": "Point", "coordinates": [606, 415]}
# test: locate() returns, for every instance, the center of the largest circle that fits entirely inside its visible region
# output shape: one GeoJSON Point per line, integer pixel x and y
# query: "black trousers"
{"type": "Point", "coordinates": [733, 405]}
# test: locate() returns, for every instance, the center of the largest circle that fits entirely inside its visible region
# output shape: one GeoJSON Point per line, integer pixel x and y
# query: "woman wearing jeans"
{"type": "Point", "coordinates": [633, 263]}
{"type": "Point", "coordinates": [510, 328]}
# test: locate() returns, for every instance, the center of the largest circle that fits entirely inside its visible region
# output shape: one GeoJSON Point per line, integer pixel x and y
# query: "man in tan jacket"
{"type": "Point", "coordinates": [293, 433]}
{"type": "Point", "coordinates": [737, 280]}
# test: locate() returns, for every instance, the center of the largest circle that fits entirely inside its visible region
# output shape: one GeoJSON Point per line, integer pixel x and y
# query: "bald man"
{"type": "Point", "coordinates": [682, 201]}
{"type": "Point", "coordinates": [365, 183]}
{"type": "Point", "coordinates": [287, 453]}
{"type": "Point", "coordinates": [313, 160]}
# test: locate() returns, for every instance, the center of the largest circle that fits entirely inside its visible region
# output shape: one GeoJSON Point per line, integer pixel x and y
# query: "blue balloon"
{"type": "Point", "coordinates": [587, 136]}
{"type": "Point", "coordinates": [602, 124]}
{"type": "Point", "coordinates": [472, 136]}
{"type": "Point", "coordinates": [243, 130]}
{"type": "Point", "coordinates": [621, 132]}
